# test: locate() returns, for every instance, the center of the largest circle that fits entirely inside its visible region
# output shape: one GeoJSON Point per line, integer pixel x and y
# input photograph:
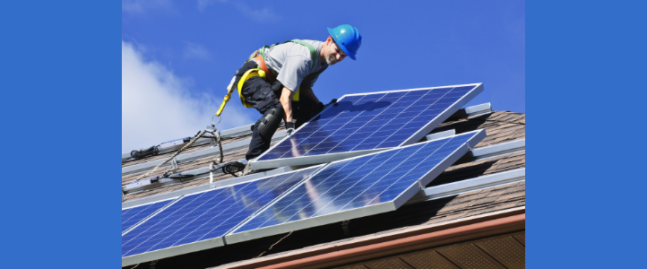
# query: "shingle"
{"type": "Point", "coordinates": [389, 263]}
{"type": "Point", "coordinates": [497, 115]}
{"type": "Point", "coordinates": [427, 259]}
{"type": "Point", "coordinates": [523, 120]}
{"type": "Point", "coordinates": [467, 256]}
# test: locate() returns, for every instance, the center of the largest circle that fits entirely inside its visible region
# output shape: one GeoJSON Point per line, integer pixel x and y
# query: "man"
{"type": "Point", "coordinates": [277, 81]}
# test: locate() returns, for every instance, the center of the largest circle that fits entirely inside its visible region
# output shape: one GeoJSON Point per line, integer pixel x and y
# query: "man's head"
{"type": "Point", "coordinates": [331, 52]}
{"type": "Point", "coordinates": [344, 40]}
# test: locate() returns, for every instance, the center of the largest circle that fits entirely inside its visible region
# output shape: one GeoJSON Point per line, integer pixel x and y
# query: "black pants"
{"type": "Point", "coordinates": [258, 92]}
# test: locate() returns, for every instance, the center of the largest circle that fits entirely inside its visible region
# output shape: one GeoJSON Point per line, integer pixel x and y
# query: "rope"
{"type": "Point", "coordinates": [215, 159]}
{"type": "Point", "coordinates": [274, 244]}
{"type": "Point", "coordinates": [222, 155]}
{"type": "Point", "coordinates": [175, 155]}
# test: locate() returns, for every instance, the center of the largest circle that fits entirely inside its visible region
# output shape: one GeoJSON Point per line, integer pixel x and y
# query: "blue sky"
{"type": "Point", "coordinates": [178, 56]}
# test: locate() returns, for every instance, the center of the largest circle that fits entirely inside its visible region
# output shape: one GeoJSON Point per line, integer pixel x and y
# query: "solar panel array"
{"type": "Point", "coordinates": [208, 214]}
{"type": "Point", "coordinates": [361, 182]}
{"type": "Point", "coordinates": [371, 121]}
{"type": "Point", "coordinates": [132, 216]}
{"type": "Point", "coordinates": [350, 188]}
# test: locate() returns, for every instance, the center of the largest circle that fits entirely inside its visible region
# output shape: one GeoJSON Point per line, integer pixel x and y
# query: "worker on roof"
{"type": "Point", "coordinates": [277, 81]}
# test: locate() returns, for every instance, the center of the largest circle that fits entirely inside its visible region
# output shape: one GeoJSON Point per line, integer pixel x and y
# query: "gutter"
{"type": "Point", "coordinates": [397, 242]}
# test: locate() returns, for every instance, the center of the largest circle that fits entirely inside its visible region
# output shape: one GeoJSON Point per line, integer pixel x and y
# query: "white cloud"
{"type": "Point", "coordinates": [196, 52]}
{"type": "Point", "coordinates": [203, 4]}
{"type": "Point", "coordinates": [259, 15]}
{"type": "Point", "coordinates": [157, 105]}
{"type": "Point", "coordinates": [142, 6]}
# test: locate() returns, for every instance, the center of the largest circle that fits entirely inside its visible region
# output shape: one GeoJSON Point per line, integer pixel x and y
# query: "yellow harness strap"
{"type": "Point", "coordinates": [230, 89]}
{"type": "Point", "coordinates": [295, 97]}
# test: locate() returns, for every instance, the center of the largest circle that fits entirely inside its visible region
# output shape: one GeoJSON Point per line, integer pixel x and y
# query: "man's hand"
{"type": "Point", "coordinates": [332, 102]}
{"type": "Point", "coordinates": [289, 128]}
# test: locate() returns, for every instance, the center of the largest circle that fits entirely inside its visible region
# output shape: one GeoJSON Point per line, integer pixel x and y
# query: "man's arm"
{"type": "Point", "coordinates": [286, 101]}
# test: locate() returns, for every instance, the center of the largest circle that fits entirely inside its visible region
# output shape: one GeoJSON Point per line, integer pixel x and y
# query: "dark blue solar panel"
{"type": "Point", "coordinates": [131, 216]}
{"type": "Point", "coordinates": [359, 182]}
{"type": "Point", "coordinates": [365, 122]}
{"type": "Point", "coordinates": [207, 215]}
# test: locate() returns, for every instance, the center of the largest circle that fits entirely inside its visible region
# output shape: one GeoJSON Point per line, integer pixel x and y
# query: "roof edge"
{"type": "Point", "coordinates": [403, 240]}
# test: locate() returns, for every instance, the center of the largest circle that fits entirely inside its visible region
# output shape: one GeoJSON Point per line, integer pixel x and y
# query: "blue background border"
{"type": "Point", "coordinates": [61, 127]}
{"type": "Point", "coordinates": [62, 113]}
{"type": "Point", "coordinates": [585, 99]}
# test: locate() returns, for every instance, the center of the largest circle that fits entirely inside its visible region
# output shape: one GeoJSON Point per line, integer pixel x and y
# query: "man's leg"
{"type": "Point", "coordinates": [258, 92]}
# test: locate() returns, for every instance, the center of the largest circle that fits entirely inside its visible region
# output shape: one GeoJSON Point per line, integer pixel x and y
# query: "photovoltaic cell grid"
{"type": "Point", "coordinates": [132, 216]}
{"type": "Point", "coordinates": [372, 121]}
{"type": "Point", "coordinates": [207, 215]}
{"type": "Point", "coordinates": [357, 183]}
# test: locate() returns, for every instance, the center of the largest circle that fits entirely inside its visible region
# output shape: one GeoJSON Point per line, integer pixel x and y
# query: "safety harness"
{"type": "Point", "coordinates": [262, 71]}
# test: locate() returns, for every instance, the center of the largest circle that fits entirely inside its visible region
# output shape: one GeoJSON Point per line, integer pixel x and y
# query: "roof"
{"type": "Point", "coordinates": [501, 199]}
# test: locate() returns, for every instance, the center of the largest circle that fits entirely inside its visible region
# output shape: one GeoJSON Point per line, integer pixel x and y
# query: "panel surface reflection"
{"type": "Point", "coordinates": [358, 182]}
{"type": "Point", "coordinates": [366, 122]}
{"type": "Point", "coordinates": [207, 215]}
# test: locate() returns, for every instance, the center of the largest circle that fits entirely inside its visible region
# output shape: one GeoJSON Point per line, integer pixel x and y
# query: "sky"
{"type": "Point", "coordinates": [179, 56]}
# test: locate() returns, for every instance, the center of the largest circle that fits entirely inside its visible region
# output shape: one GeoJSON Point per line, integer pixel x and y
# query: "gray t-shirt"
{"type": "Point", "coordinates": [293, 62]}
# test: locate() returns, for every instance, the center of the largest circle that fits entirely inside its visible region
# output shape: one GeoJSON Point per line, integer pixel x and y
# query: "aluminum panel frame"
{"type": "Point", "coordinates": [448, 112]}
{"type": "Point", "coordinates": [174, 251]}
{"type": "Point", "coordinates": [307, 160]}
{"type": "Point", "coordinates": [441, 135]}
{"type": "Point", "coordinates": [453, 157]}
{"type": "Point", "coordinates": [473, 184]}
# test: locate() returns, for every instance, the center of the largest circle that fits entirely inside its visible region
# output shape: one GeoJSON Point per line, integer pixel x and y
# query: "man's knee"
{"type": "Point", "coordinates": [270, 121]}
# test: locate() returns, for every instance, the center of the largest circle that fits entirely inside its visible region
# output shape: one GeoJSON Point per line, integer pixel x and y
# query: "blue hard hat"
{"type": "Point", "coordinates": [347, 38]}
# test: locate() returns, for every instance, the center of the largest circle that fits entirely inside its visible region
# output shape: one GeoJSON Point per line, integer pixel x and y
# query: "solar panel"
{"type": "Point", "coordinates": [358, 187]}
{"type": "Point", "coordinates": [364, 123]}
{"type": "Point", "coordinates": [198, 221]}
{"type": "Point", "coordinates": [133, 215]}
